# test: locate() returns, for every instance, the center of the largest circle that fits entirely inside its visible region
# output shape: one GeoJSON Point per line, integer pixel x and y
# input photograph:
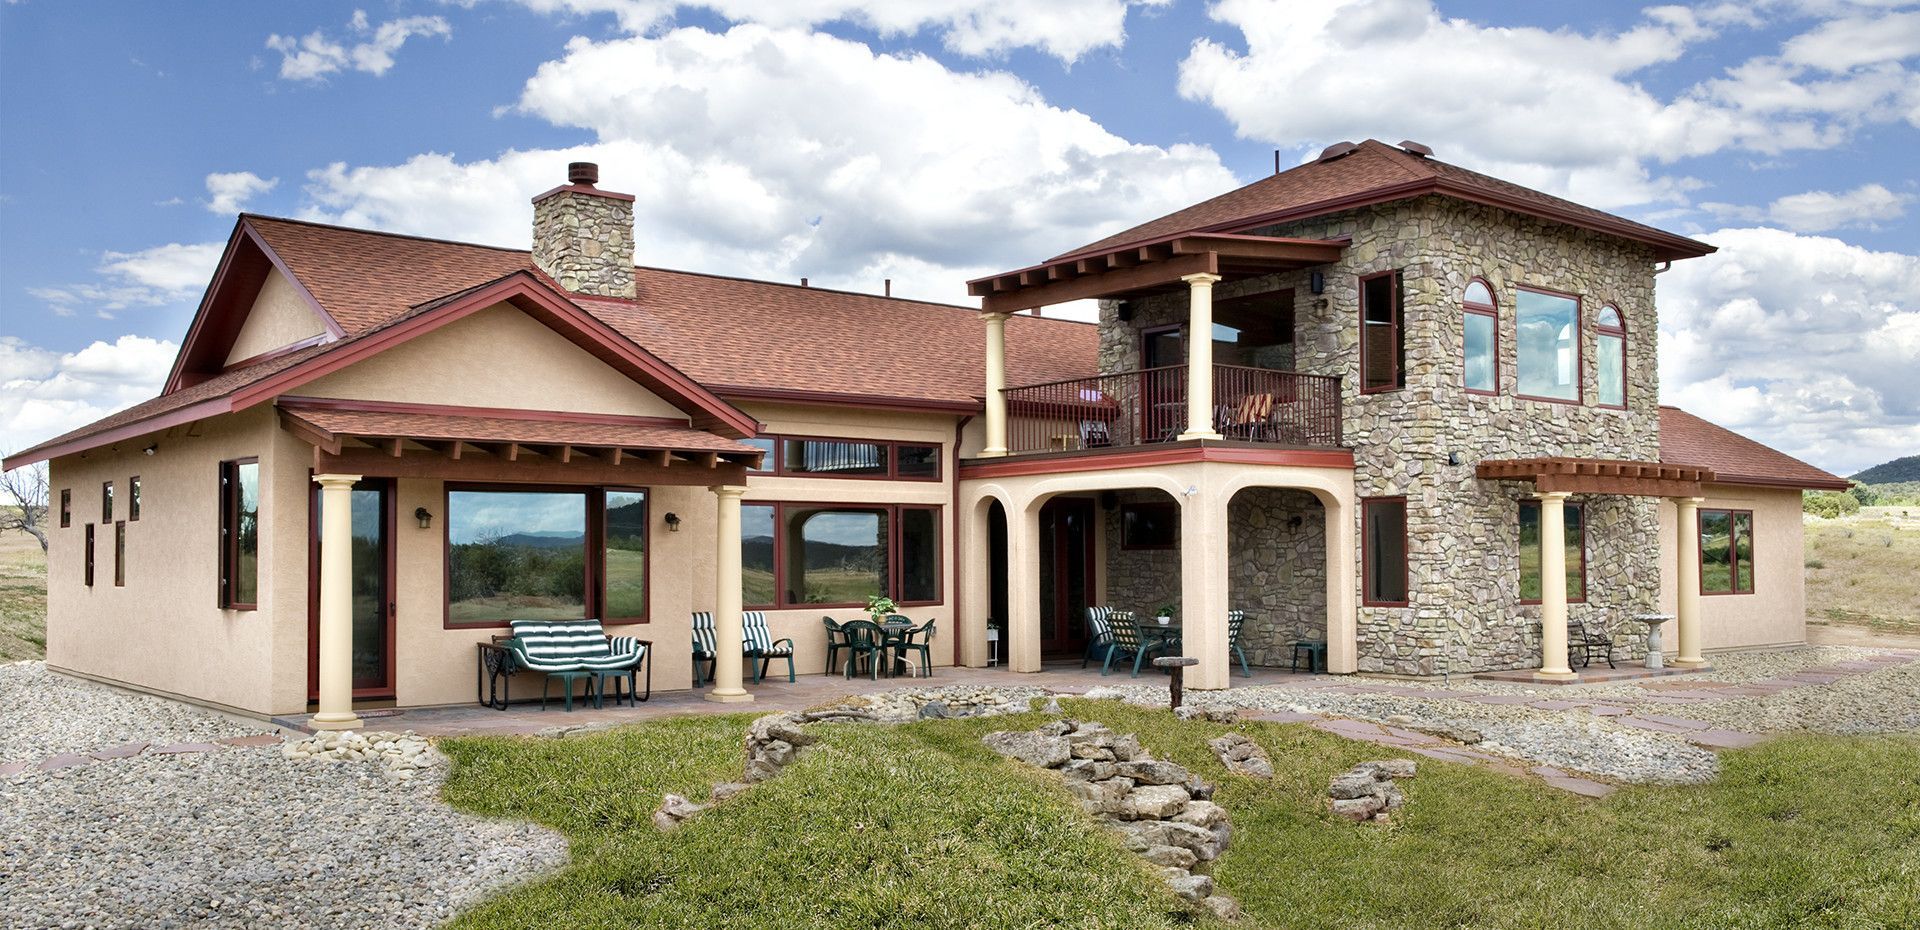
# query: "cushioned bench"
{"type": "Point", "coordinates": [570, 650]}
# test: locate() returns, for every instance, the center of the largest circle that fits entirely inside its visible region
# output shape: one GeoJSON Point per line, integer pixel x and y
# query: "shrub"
{"type": "Point", "coordinates": [1829, 504]}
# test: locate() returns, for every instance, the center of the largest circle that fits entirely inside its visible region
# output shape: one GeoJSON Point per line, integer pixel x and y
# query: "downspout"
{"type": "Point", "coordinates": [1664, 266]}
{"type": "Point", "coordinates": [953, 545]}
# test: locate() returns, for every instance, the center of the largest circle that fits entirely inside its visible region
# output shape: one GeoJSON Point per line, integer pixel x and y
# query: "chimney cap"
{"type": "Point", "coordinates": [583, 172]}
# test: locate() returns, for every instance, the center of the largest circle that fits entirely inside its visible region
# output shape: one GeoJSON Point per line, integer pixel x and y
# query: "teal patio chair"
{"type": "Point", "coordinates": [1127, 640]}
{"type": "Point", "coordinates": [1099, 632]}
{"type": "Point", "coordinates": [865, 640]}
{"type": "Point", "coordinates": [757, 642]}
{"type": "Point", "coordinates": [1235, 620]}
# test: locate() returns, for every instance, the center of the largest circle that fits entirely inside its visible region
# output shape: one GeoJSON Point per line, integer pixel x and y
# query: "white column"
{"type": "Point", "coordinates": [727, 634]}
{"type": "Point", "coordinates": [1200, 357]}
{"type": "Point", "coordinates": [1203, 591]}
{"type": "Point", "coordinates": [336, 603]}
{"type": "Point", "coordinates": [975, 570]}
{"type": "Point", "coordinates": [1553, 588]}
{"type": "Point", "coordinates": [1687, 583]}
{"type": "Point", "coordinates": [1022, 644]}
{"type": "Point", "coordinates": [996, 385]}
{"type": "Point", "coordinates": [1342, 558]}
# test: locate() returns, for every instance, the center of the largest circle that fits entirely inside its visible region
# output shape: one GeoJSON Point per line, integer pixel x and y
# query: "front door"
{"type": "Point", "coordinates": [373, 600]}
{"type": "Point", "coordinates": [1066, 574]}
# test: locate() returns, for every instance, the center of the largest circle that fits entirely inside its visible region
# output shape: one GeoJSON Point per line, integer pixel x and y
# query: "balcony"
{"type": "Point", "coordinates": [1138, 408]}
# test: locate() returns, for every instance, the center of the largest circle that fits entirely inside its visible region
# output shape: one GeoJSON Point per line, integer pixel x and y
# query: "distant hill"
{"type": "Point", "coordinates": [1901, 469]}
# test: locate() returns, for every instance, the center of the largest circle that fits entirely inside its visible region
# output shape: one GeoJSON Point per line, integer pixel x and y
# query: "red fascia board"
{"type": "Point", "coordinates": [204, 325]}
{"type": "Point", "coordinates": [1160, 240]}
{"type": "Point", "coordinates": [1790, 484]}
{"type": "Point", "coordinates": [837, 399]}
{"type": "Point", "coordinates": [153, 424]}
{"type": "Point", "coordinates": [201, 313]}
{"type": "Point", "coordinates": [1015, 466]}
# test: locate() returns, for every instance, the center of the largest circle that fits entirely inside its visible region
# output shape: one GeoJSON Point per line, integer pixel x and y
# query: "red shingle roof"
{"type": "Point", "coordinates": [1688, 440]}
{"type": "Point", "coordinates": [1373, 173]}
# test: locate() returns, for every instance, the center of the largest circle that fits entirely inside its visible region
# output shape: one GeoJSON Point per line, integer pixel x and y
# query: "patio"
{"type": "Point", "coordinates": [1064, 676]}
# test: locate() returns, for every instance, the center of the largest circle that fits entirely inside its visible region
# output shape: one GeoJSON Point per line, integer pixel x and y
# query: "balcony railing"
{"type": "Point", "coordinates": [1134, 408]}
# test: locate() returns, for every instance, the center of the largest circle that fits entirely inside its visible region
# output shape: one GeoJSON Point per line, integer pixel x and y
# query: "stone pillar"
{"type": "Point", "coordinates": [1200, 358]}
{"type": "Point", "coordinates": [996, 385]}
{"type": "Point", "coordinates": [1022, 643]}
{"type": "Point", "coordinates": [727, 634]}
{"type": "Point", "coordinates": [1553, 589]}
{"type": "Point", "coordinates": [336, 603]}
{"type": "Point", "coordinates": [1343, 623]}
{"type": "Point", "coordinates": [1203, 591]}
{"type": "Point", "coordinates": [1687, 583]}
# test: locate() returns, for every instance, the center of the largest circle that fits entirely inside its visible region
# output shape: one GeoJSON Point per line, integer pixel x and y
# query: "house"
{"type": "Point", "coordinates": [373, 450]}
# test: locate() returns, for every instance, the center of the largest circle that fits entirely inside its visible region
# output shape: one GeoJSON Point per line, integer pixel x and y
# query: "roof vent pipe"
{"type": "Point", "coordinates": [803, 282]}
{"type": "Point", "coordinates": [584, 173]}
{"type": "Point", "coordinates": [1415, 149]}
{"type": "Point", "coordinates": [889, 287]}
{"type": "Point", "coordinates": [1276, 161]}
{"type": "Point", "coordinates": [1336, 150]}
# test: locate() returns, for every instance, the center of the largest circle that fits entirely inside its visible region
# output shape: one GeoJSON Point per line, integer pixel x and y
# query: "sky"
{"type": "Point", "coordinates": [930, 141]}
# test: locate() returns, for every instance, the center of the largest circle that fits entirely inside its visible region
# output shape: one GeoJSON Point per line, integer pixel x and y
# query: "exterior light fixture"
{"type": "Point", "coordinates": [150, 449]}
{"type": "Point", "coordinates": [1453, 458]}
{"type": "Point", "coordinates": [1192, 490]}
{"type": "Point", "coordinates": [673, 523]}
{"type": "Point", "coordinates": [426, 519]}
{"type": "Point", "coordinates": [1316, 282]}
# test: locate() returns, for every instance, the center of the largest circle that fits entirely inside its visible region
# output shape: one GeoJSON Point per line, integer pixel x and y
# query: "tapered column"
{"type": "Point", "coordinates": [996, 385]}
{"type": "Point", "coordinates": [1553, 588]}
{"type": "Point", "coordinates": [1023, 588]}
{"type": "Point", "coordinates": [727, 634]}
{"type": "Point", "coordinates": [1343, 622]}
{"type": "Point", "coordinates": [1687, 582]}
{"type": "Point", "coordinates": [336, 603]}
{"type": "Point", "coordinates": [1200, 357]}
{"type": "Point", "coordinates": [1203, 591]}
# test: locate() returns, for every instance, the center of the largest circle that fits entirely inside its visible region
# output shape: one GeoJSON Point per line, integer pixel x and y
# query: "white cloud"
{"type": "Point", "coordinates": [44, 393]}
{"type": "Point", "coordinates": [1842, 44]}
{"type": "Point", "coordinates": [229, 191]}
{"type": "Point", "coordinates": [1819, 211]}
{"type": "Point", "coordinates": [1558, 110]}
{"type": "Point", "coordinates": [916, 172]}
{"type": "Point", "coordinates": [315, 55]}
{"type": "Point", "coordinates": [1065, 29]}
{"type": "Point", "coordinates": [1805, 343]}
{"type": "Point", "coordinates": [150, 277]}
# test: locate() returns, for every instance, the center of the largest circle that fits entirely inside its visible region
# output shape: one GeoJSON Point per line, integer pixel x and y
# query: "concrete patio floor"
{"type": "Point", "coordinates": [774, 694]}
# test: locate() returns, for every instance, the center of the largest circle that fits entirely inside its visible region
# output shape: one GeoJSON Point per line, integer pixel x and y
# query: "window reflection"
{"type": "Point", "coordinates": [517, 555]}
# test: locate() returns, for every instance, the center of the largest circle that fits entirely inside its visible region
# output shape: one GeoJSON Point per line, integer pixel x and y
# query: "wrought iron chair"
{"type": "Point", "coordinates": [1586, 644]}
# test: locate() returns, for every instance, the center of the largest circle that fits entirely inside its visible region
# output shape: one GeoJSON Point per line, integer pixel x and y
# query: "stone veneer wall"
{"type": "Point", "coordinates": [1278, 572]}
{"type": "Point", "coordinates": [1463, 533]}
{"type": "Point", "coordinates": [585, 242]}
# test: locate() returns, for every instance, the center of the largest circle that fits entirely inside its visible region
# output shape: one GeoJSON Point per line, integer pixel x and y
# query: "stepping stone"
{"type": "Point", "coordinates": [1608, 710]}
{"type": "Point", "coordinates": [122, 751]}
{"type": "Point", "coordinates": [65, 760]}
{"type": "Point", "coordinates": [180, 748]}
{"type": "Point", "coordinates": [261, 739]}
{"type": "Point", "coordinates": [1581, 786]}
{"type": "Point", "coordinates": [1281, 716]}
{"type": "Point", "coordinates": [1642, 723]}
{"type": "Point", "coordinates": [1725, 739]}
{"type": "Point", "coordinates": [10, 769]}
{"type": "Point", "coordinates": [1681, 722]}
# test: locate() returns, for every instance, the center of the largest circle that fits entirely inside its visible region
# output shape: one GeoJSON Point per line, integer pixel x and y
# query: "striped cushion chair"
{"type": "Point", "coordinates": [703, 645]}
{"type": "Point", "coordinates": [1099, 631]}
{"type": "Point", "coordinates": [1235, 620]}
{"type": "Point", "coordinates": [570, 649]}
{"type": "Point", "coordinates": [757, 642]}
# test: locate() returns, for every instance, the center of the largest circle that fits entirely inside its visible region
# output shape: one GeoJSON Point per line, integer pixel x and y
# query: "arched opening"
{"type": "Point", "coordinates": [1277, 543]}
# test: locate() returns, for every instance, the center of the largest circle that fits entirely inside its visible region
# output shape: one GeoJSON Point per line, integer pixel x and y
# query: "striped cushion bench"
{"type": "Point", "coordinates": [572, 646]}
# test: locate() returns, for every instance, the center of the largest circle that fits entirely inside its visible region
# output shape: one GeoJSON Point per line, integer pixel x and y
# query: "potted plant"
{"type": "Point", "coordinates": [1163, 614]}
{"type": "Point", "coordinates": [879, 607]}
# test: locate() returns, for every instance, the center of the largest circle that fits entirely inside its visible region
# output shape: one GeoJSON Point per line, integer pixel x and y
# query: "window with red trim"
{"type": "Point", "coordinates": [1480, 335]}
{"type": "Point", "coordinates": [133, 498]}
{"type": "Point", "coordinates": [1383, 551]}
{"type": "Point", "coordinates": [1382, 334]}
{"type": "Point", "coordinates": [120, 554]}
{"type": "Point", "coordinates": [796, 554]}
{"type": "Point", "coordinates": [66, 507]}
{"type": "Point", "coordinates": [1546, 345]}
{"type": "Point", "coordinates": [832, 457]}
{"type": "Point", "coordinates": [1610, 357]}
{"type": "Point", "coordinates": [1726, 551]}
{"type": "Point", "coordinates": [106, 502]}
{"type": "Point", "coordinates": [240, 534]}
{"type": "Point", "coordinates": [89, 565]}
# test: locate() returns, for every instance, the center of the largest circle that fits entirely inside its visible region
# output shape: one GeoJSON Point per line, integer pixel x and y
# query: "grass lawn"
{"type": "Point", "coordinates": [921, 826]}
{"type": "Point", "coordinates": [1865, 570]}
{"type": "Point", "coordinates": [23, 598]}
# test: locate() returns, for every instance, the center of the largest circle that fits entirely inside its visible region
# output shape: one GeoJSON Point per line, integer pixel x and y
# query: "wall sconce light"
{"type": "Point", "coordinates": [1453, 458]}
{"type": "Point", "coordinates": [425, 518]}
{"type": "Point", "coordinates": [1294, 521]}
{"type": "Point", "coordinates": [1192, 490]}
{"type": "Point", "coordinates": [150, 449]}
{"type": "Point", "coordinates": [673, 523]}
{"type": "Point", "coordinates": [1316, 282]}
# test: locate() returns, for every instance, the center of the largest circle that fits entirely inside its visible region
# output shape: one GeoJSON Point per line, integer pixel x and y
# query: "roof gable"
{"type": "Point", "coordinates": [246, 266]}
{"type": "Point", "coordinates": [1688, 440]}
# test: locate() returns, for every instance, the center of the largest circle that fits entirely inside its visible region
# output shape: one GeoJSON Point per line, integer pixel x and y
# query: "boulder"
{"type": "Point", "coordinates": [1154, 802]}
{"type": "Point", "coordinates": [1202, 814]}
{"type": "Point", "coordinates": [1350, 785]}
{"type": "Point", "coordinates": [1195, 888]}
{"type": "Point", "coordinates": [934, 710]}
{"type": "Point", "coordinates": [673, 810]}
{"type": "Point", "coordinates": [1101, 798]}
{"type": "Point", "coordinates": [1174, 856]}
{"type": "Point", "coordinates": [1241, 755]}
{"type": "Point", "coordinates": [725, 790]}
{"type": "Point", "coordinates": [1035, 748]}
{"type": "Point", "coordinates": [1127, 748]}
{"type": "Point", "coordinates": [1222, 907]}
{"type": "Point", "coordinates": [1358, 809]}
{"type": "Point", "coordinates": [1155, 772]}
{"type": "Point", "coordinates": [1089, 769]}
{"type": "Point", "coordinates": [1056, 728]}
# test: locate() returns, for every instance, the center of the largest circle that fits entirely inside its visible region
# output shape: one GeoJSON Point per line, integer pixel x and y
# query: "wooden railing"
{"type": "Point", "coordinates": [1133, 408]}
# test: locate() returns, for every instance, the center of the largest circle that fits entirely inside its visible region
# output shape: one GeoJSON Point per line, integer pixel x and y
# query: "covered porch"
{"type": "Point", "coordinates": [418, 508]}
{"type": "Point", "coordinates": [1554, 481]}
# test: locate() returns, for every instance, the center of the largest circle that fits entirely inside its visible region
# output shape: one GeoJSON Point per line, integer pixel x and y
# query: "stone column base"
{"type": "Point", "coordinates": [1689, 663]}
{"type": "Point", "coordinates": [728, 697]}
{"type": "Point", "coordinates": [1556, 676]}
{"type": "Point", "coordinates": [336, 722]}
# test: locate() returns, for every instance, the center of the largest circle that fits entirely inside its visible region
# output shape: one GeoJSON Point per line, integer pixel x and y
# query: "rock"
{"type": "Point", "coordinates": [1154, 802]}
{"type": "Point", "coordinates": [1349, 785]}
{"type": "Point", "coordinates": [778, 752]}
{"type": "Point", "coordinates": [1195, 888]}
{"type": "Point", "coordinates": [1202, 814]}
{"type": "Point", "coordinates": [1357, 809]}
{"type": "Point", "coordinates": [1034, 748]}
{"type": "Point", "coordinates": [1392, 768]}
{"type": "Point", "coordinates": [1089, 769]}
{"type": "Point", "coordinates": [1127, 748]}
{"type": "Point", "coordinates": [1099, 798]}
{"type": "Point", "coordinates": [1401, 720]}
{"type": "Point", "coordinates": [759, 770]}
{"type": "Point", "coordinates": [1052, 706]}
{"type": "Point", "coordinates": [1105, 693]}
{"type": "Point", "coordinates": [725, 790]}
{"type": "Point", "coordinates": [1199, 790]}
{"type": "Point", "coordinates": [1155, 772]}
{"type": "Point", "coordinates": [1211, 714]}
{"type": "Point", "coordinates": [1222, 907]}
{"type": "Point", "coordinates": [934, 710]}
{"type": "Point", "coordinates": [1056, 728]}
{"type": "Point", "coordinates": [1174, 856]}
{"type": "Point", "coordinates": [674, 810]}
{"type": "Point", "coordinates": [1241, 755]}
{"type": "Point", "coordinates": [1091, 750]}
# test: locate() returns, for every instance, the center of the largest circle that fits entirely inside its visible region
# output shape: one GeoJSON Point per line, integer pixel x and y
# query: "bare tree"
{"type": "Point", "coordinates": [26, 488]}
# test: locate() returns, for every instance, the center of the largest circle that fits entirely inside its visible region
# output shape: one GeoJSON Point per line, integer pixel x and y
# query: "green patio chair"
{"type": "Point", "coordinates": [836, 641]}
{"type": "Point", "coordinates": [1235, 620]}
{"type": "Point", "coordinates": [866, 640]}
{"type": "Point", "coordinates": [918, 639]}
{"type": "Point", "coordinates": [757, 642]}
{"type": "Point", "coordinates": [1128, 640]}
{"type": "Point", "coordinates": [1099, 634]}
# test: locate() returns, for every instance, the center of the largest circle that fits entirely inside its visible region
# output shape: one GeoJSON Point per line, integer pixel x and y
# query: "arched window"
{"type": "Point", "coordinates": [1481, 336]}
{"type": "Point", "coordinates": [1611, 347]}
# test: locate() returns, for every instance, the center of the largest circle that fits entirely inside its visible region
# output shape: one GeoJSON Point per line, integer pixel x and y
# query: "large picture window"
{"type": "Point", "coordinates": [1383, 551]}
{"type": "Point", "coordinates": [1481, 334]}
{"type": "Point", "coordinates": [1610, 351]}
{"type": "Point", "coordinates": [240, 534]}
{"type": "Point", "coordinates": [838, 555]}
{"type": "Point", "coordinates": [516, 555]}
{"type": "Point", "coordinates": [1726, 551]}
{"type": "Point", "coordinates": [1382, 334]}
{"type": "Point", "coordinates": [1547, 345]}
{"type": "Point", "coordinates": [815, 457]}
{"type": "Point", "coordinates": [1574, 541]}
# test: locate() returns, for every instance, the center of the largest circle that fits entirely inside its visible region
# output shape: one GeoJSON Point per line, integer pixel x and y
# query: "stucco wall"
{"type": "Point", "coordinates": [279, 317]}
{"type": "Point", "coordinates": [498, 357]}
{"type": "Point", "coordinates": [1775, 614]}
{"type": "Point", "coordinates": [164, 630]}
{"type": "Point", "coordinates": [1463, 533]}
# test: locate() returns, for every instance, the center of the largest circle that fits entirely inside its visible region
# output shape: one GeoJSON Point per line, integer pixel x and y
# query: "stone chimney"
{"type": "Point", "coordinates": [583, 236]}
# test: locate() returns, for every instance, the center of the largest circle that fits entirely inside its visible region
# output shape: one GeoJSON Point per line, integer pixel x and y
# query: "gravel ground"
{"type": "Point", "coordinates": [43, 713]}
{"type": "Point", "coordinates": [1886, 701]}
{"type": "Point", "coordinates": [1728, 668]}
{"type": "Point", "coordinates": [248, 838]}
